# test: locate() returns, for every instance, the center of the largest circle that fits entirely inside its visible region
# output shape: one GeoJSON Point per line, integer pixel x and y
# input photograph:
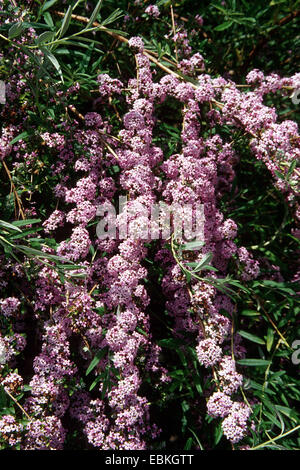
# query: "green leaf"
{"type": "Point", "coordinates": [47, 36]}
{"type": "Point", "coordinates": [279, 175]}
{"type": "Point", "coordinates": [54, 61]}
{"type": "Point", "coordinates": [250, 313]}
{"type": "Point", "coordinates": [9, 226]}
{"type": "Point", "coordinates": [287, 412]}
{"type": "Point", "coordinates": [291, 168]}
{"type": "Point", "coordinates": [116, 15]}
{"type": "Point", "coordinates": [48, 5]}
{"type": "Point", "coordinates": [69, 267]}
{"type": "Point", "coordinates": [223, 26]}
{"type": "Point", "coordinates": [251, 337]}
{"type": "Point", "coordinates": [106, 382]}
{"type": "Point", "coordinates": [272, 418]}
{"type": "Point", "coordinates": [24, 234]}
{"type": "Point", "coordinates": [270, 339]}
{"type": "Point", "coordinates": [100, 354]}
{"type": "Point", "coordinates": [3, 398]}
{"type": "Point", "coordinates": [218, 7]}
{"type": "Point", "coordinates": [21, 223]}
{"type": "Point", "coordinates": [95, 382]}
{"type": "Point", "coordinates": [187, 275]}
{"type": "Point", "coordinates": [94, 14]}
{"type": "Point", "coordinates": [48, 19]}
{"type": "Point", "coordinates": [276, 2]}
{"type": "Point", "coordinates": [170, 343]}
{"type": "Point", "coordinates": [39, 254]}
{"type": "Point", "coordinates": [195, 245]}
{"type": "Point", "coordinates": [15, 30]}
{"type": "Point", "coordinates": [201, 265]}
{"type": "Point", "coordinates": [188, 444]}
{"type": "Point", "coordinates": [253, 362]}
{"type": "Point", "coordinates": [66, 22]}
{"type": "Point", "coordinates": [218, 433]}
{"type": "Point", "coordinates": [236, 283]}
{"type": "Point", "coordinates": [21, 136]}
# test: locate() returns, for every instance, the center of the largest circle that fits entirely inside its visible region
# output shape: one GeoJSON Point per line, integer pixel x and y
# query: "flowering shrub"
{"type": "Point", "coordinates": [111, 337]}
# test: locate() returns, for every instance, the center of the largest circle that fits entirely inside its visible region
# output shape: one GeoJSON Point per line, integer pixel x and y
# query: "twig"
{"type": "Point", "coordinates": [275, 438]}
{"type": "Point", "coordinates": [174, 31]}
{"type": "Point", "coordinates": [19, 202]}
{"type": "Point", "coordinates": [273, 324]}
{"type": "Point", "coordinates": [18, 404]}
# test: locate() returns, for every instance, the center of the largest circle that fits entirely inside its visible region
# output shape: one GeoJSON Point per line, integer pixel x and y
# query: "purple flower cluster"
{"type": "Point", "coordinates": [9, 306]}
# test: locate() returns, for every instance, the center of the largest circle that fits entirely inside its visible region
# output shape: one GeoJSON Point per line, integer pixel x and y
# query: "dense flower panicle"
{"type": "Point", "coordinates": [219, 405]}
{"type": "Point", "coordinates": [9, 306]}
{"type": "Point", "coordinates": [45, 434]}
{"type": "Point", "coordinates": [250, 266]}
{"type": "Point", "coordinates": [235, 424]}
{"type": "Point", "coordinates": [153, 10]}
{"type": "Point", "coordinates": [255, 76]}
{"type": "Point", "coordinates": [108, 86]}
{"type": "Point", "coordinates": [13, 382]}
{"type": "Point", "coordinates": [208, 352]}
{"type": "Point", "coordinates": [54, 140]}
{"type": "Point", "coordinates": [78, 246]}
{"type": "Point", "coordinates": [230, 379]}
{"type": "Point", "coordinates": [55, 220]}
{"type": "Point", "coordinates": [10, 430]}
{"type": "Point", "coordinates": [85, 190]}
{"type": "Point", "coordinates": [136, 43]}
{"type": "Point", "coordinates": [93, 120]}
{"type": "Point", "coordinates": [204, 91]}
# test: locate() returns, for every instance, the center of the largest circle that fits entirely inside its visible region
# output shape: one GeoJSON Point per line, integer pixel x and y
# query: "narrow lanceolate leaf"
{"type": "Point", "coordinates": [250, 313]}
{"type": "Point", "coordinates": [94, 14]}
{"type": "Point", "coordinates": [66, 22]}
{"type": "Point", "coordinates": [47, 36]}
{"type": "Point", "coordinates": [48, 19]}
{"type": "Point", "coordinates": [270, 339]}
{"type": "Point", "coordinates": [253, 362]}
{"type": "Point", "coordinates": [291, 168]}
{"type": "Point", "coordinates": [223, 26]}
{"type": "Point", "coordinates": [9, 226]}
{"type": "Point", "coordinates": [21, 136]}
{"type": "Point", "coordinates": [279, 175]}
{"type": "Point", "coordinates": [96, 381]}
{"type": "Point", "coordinates": [21, 223]}
{"type": "Point", "coordinates": [116, 15]}
{"type": "Point", "coordinates": [39, 254]}
{"type": "Point", "coordinates": [54, 61]}
{"type": "Point", "coordinates": [196, 245]}
{"type": "Point", "coordinates": [251, 337]}
{"type": "Point", "coordinates": [48, 5]}
{"type": "Point", "coordinates": [237, 284]}
{"type": "Point", "coordinates": [200, 265]}
{"type": "Point", "coordinates": [15, 30]}
{"type": "Point", "coordinates": [101, 353]}
{"type": "Point", "coordinates": [187, 275]}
